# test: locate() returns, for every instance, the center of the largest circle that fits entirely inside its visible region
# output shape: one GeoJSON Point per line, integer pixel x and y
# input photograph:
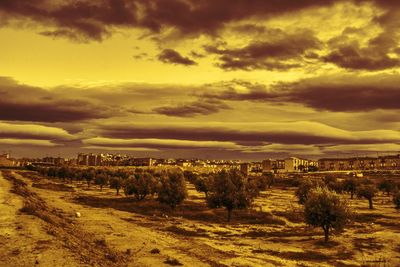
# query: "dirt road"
{"type": "Point", "coordinates": [23, 240]}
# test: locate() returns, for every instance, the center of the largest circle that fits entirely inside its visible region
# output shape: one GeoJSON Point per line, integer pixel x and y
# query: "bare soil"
{"type": "Point", "coordinates": [120, 231]}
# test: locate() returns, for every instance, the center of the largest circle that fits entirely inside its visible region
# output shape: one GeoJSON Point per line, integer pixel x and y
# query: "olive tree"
{"type": "Point", "coordinates": [387, 186]}
{"type": "Point", "coordinates": [350, 186]}
{"type": "Point", "coordinates": [171, 188]}
{"type": "Point", "coordinates": [231, 190]}
{"type": "Point", "coordinates": [140, 185]}
{"type": "Point", "coordinates": [324, 208]}
{"type": "Point", "coordinates": [304, 188]}
{"type": "Point", "coordinates": [116, 183]}
{"type": "Point", "coordinates": [101, 180]}
{"type": "Point", "coordinates": [368, 192]}
{"type": "Point", "coordinates": [202, 184]}
{"type": "Point", "coordinates": [396, 200]}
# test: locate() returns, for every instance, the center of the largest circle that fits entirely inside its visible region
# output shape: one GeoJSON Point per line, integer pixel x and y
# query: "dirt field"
{"type": "Point", "coordinates": [119, 231]}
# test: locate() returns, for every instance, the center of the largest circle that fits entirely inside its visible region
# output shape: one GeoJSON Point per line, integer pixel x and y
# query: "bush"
{"type": "Point", "coordinates": [304, 188]}
{"type": "Point", "coordinates": [172, 188]}
{"type": "Point", "coordinates": [368, 192]}
{"type": "Point", "coordinates": [231, 190]}
{"type": "Point", "coordinates": [324, 208]}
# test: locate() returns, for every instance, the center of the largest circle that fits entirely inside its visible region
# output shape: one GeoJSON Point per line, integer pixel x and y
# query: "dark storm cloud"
{"type": "Point", "coordinates": [74, 19]}
{"type": "Point", "coordinates": [333, 93]}
{"type": "Point", "coordinates": [203, 107]}
{"type": "Point", "coordinates": [19, 102]}
{"type": "Point", "coordinates": [95, 20]}
{"type": "Point", "coordinates": [173, 57]}
{"type": "Point", "coordinates": [272, 53]}
{"type": "Point", "coordinates": [346, 51]}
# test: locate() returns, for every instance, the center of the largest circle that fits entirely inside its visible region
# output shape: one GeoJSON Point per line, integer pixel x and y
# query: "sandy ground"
{"type": "Point", "coordinates": [274, 235]}
{"type": "Point", "coordinates": [23, 240]}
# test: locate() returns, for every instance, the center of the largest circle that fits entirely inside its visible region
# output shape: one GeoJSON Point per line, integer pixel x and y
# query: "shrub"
{"type": "Point", "coordinates": [324, 208]}
{"type": "Point", "coordinates": [368, 192]}
{"type": "Point", "coordinates": [231, 190]}
{"type": "Point", "coordinates": [172, 188]}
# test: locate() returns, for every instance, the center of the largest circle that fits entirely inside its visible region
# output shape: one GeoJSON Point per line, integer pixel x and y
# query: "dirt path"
{"type": "Point", "coordinates": [23, 242]}
{"type": "Point", "coordinates": [129, 234]}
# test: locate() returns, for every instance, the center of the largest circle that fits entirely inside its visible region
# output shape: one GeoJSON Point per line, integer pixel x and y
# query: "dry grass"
{"type": "Point", "coordinates": [54, 187]}
{"type": "Point", "coordinates": [77, 240]}
{"type": "Point", "coordinates": [189, 210]}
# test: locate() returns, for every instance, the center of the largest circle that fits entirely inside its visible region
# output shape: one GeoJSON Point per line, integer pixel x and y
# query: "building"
{"type": "Point", "coordinates": [391, 162]}
{"type": "Point", "coordinates": [291, 164]}
{"type": "Point", "coordinates": [148, 162]}
{"type": "Point", "coordinates": [245, 168]}
{"type": "Point", "coordinates": [6, 161]}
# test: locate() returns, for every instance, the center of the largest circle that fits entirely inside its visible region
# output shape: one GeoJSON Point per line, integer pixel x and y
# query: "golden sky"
{"type": "Point", "coordinates": [246, 79]}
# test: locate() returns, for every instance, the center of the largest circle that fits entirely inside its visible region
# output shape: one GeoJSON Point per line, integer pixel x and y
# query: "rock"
{"type": "Point", "coordinates": [77, 214]}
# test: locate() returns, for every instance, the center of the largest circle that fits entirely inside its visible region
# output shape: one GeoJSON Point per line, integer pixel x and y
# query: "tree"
{"type": "Point", "coordinates": [172, 188]}
{"type": "Point", "coordinates": [101, 180]}
{"type": "Point", "coordinates": [231, 190]}
{"type": "Point", "coordinates": [304, 188]}
{"type": "Point", "coordinates": [350, 186]}
{"type": "Point", "coordinates": [140, 184]}
{"type": "Point", "coordinates": [324, 208]}
{"type": "Point", "coordinates": [116, 183]}
{"type": "Point", "coordinates": [368, 192]}
{"type": "Point", "coordinates": [89, 175]}
{"type": "Point", "coordinates": [396, 200]}
{"type": "Point", "coordinates": [332, 183]}
{"type": "Point", "coordinates": [387, 186]}
{"type": "Point", "coordinates": [190, 176]}
{"type": "Point", "coordinates": [265, 181]}
{"type": "Point", "coordinates": [202, 184]}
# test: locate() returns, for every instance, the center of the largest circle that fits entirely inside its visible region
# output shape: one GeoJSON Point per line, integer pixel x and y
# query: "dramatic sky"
{"type": "Point", "coordinates": [229, 79]}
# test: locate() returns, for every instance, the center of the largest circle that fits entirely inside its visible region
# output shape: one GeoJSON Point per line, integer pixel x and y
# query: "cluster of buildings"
{"type": "Point", "coordinates": [291, 164]}
{"type": "Point", "coordinates": [6, 161]}
{"type": "Point", "coordinates": [287, 165]}
{"type": "Point", "coordinates": [390, 162]}
{"type": "Point", "coordinates": [91, 159]}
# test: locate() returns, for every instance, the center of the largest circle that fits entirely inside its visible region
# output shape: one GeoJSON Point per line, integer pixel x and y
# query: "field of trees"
{"type": "Point", "coordinates": [150, 217]}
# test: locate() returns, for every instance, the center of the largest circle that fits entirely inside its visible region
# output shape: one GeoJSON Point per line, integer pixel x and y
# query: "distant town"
{"type": "Point", "coordinates": [285, 165]}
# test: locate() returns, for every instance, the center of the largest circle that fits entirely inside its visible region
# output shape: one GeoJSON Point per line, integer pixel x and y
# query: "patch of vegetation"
{"type": "Point", "coordinates": [184, 232]}
{"type": "Point", "coordinates": [173, 262]}
{"type": "Point", "coordinates": [54, 187]}
{"type": "Point", "coordinates": [155, 251]}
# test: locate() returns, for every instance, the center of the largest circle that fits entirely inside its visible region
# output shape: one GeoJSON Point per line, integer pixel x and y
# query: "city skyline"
{"type": "Point", "coordinates": [211, 79]}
